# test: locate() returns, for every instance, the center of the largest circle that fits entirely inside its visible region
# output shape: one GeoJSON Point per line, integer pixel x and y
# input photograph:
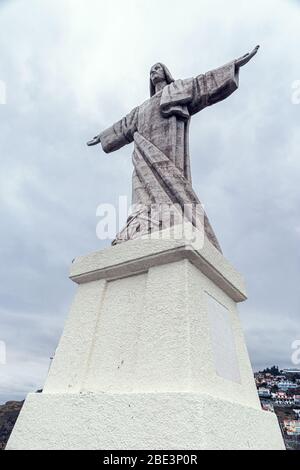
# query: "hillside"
{"type": "Point", "coordinates": [8, 416]}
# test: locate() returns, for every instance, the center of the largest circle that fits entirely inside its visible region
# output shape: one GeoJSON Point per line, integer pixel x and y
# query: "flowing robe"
{"type": "Point", "coordinates": [159, 129]}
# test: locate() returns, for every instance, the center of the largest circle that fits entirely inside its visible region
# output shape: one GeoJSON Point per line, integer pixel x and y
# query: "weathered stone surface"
{"type": "Point", "coordinates": [159, 129]}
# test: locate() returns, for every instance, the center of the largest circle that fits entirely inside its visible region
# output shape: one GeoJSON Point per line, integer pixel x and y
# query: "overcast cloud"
{"type": "Point", "coordinates": [72, 68]}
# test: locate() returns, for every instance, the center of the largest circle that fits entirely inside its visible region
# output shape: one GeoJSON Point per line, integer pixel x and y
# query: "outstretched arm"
{"type": "Point", "coordinates": [246, 58]}
{"type": "Point", "coordinates": [218, 84]}
{"type": "Point", "coordinates": [118, 135]}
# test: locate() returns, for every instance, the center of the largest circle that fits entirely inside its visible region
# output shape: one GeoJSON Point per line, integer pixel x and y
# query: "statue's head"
{"type": "Point", "coordinates": [159, 73]}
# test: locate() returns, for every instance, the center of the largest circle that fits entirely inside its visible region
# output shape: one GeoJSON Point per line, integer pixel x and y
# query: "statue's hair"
{"type": "Point", "coordinates": [169, 78]}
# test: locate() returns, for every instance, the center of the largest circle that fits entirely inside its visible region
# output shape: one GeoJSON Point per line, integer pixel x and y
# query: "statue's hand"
{"type": "Point", "coordinates": [245, 58]}
{"type": "Point", "coordinates": [95, 141]}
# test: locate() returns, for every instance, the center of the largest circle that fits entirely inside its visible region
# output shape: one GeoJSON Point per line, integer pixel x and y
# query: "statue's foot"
{"type": "Point", "coordinates": [96, 140]}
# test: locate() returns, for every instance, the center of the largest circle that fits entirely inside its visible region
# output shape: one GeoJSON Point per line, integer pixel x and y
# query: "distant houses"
{"type": "Point", "coordinates": [264, 392]}
{"type": "Point", "coordinates": [279, 392]}
{"type": "Point", "coordinates": [297, 400]}
{"type": "Point", "coordinates": [292, 427]}
{"type": "Point", "coordinates": [286, 385]}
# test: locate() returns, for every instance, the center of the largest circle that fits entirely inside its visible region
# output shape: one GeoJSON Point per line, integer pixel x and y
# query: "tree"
{"type": "Point", "coordinates": [274, 370]}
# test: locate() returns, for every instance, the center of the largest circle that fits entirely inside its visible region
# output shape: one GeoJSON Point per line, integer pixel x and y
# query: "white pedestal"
{"type": "Point", "coordinates": [152, 356]}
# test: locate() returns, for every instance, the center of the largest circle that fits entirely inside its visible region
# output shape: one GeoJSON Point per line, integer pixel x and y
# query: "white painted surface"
{"type": "Point", "coordinates": [113, 355]}
{"type": "Point", "coordinates": [136, 364]}
{"type": "Point", "coordinates": [136, 256]}
{"type": "Point", "coordinates": [142, 421]}
{"type": "Point", "coordinates": [223, 342]}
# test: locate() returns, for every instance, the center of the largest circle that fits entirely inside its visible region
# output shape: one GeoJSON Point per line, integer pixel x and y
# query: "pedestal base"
{"type": "Point", "coordinates": [142, 421]}
{"type": "Point", "coordinates": [152, 357]}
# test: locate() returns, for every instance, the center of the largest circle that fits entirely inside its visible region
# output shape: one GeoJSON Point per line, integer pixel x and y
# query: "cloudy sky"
{"type": "Point", "coordinates": [73, 67]}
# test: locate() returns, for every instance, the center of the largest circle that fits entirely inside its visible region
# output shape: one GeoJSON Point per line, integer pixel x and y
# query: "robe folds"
{"type": "Point", "coordinates": [159, 129]}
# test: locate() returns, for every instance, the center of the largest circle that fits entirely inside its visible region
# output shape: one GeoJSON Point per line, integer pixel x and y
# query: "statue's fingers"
{"type": "Point", "coordinates": [254, 51]}
{"type": "Point", "coordinates": [94, 141]}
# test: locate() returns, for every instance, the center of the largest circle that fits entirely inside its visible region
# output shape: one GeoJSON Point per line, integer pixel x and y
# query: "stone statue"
{"type": "Point", "coordinates": [159, 129]}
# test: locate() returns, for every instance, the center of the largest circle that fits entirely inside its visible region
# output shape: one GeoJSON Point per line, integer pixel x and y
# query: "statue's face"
{"type": "Point", "coordinates": [157, 74]}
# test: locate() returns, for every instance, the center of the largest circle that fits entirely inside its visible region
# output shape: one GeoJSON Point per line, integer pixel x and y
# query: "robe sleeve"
{"type": "Point", "coordinates": [121, 133]}
{"type": "Point", "coordinates": [214, 86]}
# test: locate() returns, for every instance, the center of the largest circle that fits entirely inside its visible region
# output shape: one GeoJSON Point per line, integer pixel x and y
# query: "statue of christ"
{"type": "Point", "coordinates": [159, 129]}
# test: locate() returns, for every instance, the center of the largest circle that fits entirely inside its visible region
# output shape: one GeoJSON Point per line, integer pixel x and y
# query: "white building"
{"type": "Point", "coordinates": [291, 372]}
{"type": "Point", "coordinates": [297, 400]}
{"type": "Point", "coordinates": [286, 385]}
{"type": "Point", "coordinates": [264, 392]}
{"type": "Point", "coordinates": [292, 427]}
